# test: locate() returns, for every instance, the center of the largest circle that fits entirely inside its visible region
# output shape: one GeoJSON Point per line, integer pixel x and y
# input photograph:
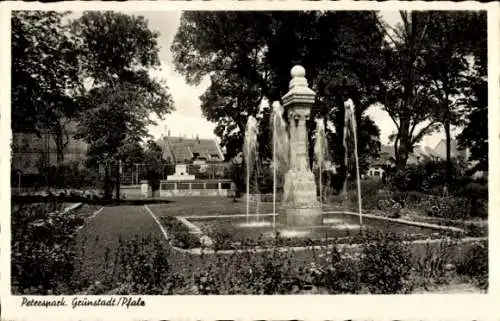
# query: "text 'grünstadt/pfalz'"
{"type": "Point", "coordinates": [123, 301]}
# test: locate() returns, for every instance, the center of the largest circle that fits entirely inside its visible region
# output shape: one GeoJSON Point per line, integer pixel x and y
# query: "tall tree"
{"type": "Point", "coordinates": [45, 77]}
{"type": "Point", "coordinates": [405, 90]}
{"type": "Point", "coordinates": [456, 43]}
{"type": "Point", "coordinates": [248, 57]}
{"type": "Point", "coordinates": [118, 50]}
{"type": "Point", "coordinates": [475, 133]}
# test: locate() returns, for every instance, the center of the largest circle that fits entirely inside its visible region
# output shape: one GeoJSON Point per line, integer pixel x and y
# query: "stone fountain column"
{"type": "Point", "coordinates": [300, 203]}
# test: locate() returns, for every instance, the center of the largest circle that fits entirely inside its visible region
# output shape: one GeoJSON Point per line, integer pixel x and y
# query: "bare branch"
{"type": "Point", "coordinates": [424, 131]}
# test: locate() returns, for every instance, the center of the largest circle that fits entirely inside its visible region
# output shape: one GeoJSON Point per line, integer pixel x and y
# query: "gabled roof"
{"type": "Point", "coordinates": [420, 153]}
{"type": "Point", "coordinates": [440, 149]}
{"type": "Point", "coordinates": [181, 150]}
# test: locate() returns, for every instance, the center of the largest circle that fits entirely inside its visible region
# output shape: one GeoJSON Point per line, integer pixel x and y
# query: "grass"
{"type": "Point", "coordinates": [42, 247]}
{"type": "Point", "coordinates": [204, 206]}
{"type": "Point", "coordinates": [99, 240]}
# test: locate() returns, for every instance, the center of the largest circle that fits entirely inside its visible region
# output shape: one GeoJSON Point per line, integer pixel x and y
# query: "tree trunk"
{"type": "Point", "coordinates": [449, 165]}
{"type": "Point", "coordinates": [118, 180]}
{"type": "Point", "coordinates": [404, 145]}
{"type": "Point", "coordinates": [107, 183]}
{"type": "Point", "coordinates": [396, 149]}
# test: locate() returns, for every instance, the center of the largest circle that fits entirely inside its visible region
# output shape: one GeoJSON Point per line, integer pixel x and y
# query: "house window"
{"type": "Point", "coordinates": [377, 173]}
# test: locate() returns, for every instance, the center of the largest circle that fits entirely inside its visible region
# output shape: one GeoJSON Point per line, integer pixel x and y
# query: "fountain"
{"type": "Point", "coordinates": [290, 156]}
{"type": "Point", "coordinates": [299, 200]}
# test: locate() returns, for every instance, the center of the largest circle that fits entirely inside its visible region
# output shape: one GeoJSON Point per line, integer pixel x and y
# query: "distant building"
{"type": "Point", "coordinates": [197, 151]}
{"type": "Point", "coordinates": [440, 150]}
{"type": "Point", "coordinates": [419, 154]}
{"type": "Point", "coordinates": [31, 153]}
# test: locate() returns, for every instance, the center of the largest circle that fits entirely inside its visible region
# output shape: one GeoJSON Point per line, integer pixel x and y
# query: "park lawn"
{"type": "Point", "coordinates": [99, 239]}
{"type": "Point", "coordinates": [204, 206]}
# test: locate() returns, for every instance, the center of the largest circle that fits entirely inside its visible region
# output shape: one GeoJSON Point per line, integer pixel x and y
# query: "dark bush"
{"type": "Point", "coordinates": [447, 207]}
{"type": "Point", "coordinates": [342, 275]}
{"type": "Point", "coordinates": [42, 249]}
{"type": "Point", "coordinates": [181, 235]}
{"type": "Point", "coordinates": [474, 264]}
{"type": "Point", "coordinates": [142, 267]}
{"type": "Point", "coordinates": [222, 240]}
{"type": "Point", "coordinates": [385, 264]}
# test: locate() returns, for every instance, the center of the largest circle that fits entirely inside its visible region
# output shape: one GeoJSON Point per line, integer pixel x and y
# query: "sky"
{"type": "Point", "coordinates": [187, 119]}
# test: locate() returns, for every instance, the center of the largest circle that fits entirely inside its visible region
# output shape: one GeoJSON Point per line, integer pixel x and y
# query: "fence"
{"type": "Point", "coordinates": [133, 175]}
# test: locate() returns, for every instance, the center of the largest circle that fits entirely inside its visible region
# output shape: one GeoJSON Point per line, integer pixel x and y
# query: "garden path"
{"type": "Point", "coordinates": [99, 238]}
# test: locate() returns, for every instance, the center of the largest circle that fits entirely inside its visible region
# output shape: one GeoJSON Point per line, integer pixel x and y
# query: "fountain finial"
{"type": "Point", "coordinates": [299, 81]}
{"type": "Point", "coordinates": [349, 107]}
{"type": "Point", "coordinates": [349, 104]}
{"type": "Point", "coordinates": [298, 72]}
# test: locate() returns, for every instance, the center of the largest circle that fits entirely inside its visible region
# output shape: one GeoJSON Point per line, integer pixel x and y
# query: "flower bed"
{"type": "Point", "coordinates": [384, 265]}
{"type": "Point", "coordinates": [231, 233]}
{"type": "Point", "coordinates": [42, 247]}
{"type": "Point", "coordinates": [180, 234]}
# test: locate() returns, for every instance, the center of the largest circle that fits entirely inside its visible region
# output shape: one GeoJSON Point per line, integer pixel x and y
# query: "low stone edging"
{"type": "Point", "coordinates": [72, 207]}
{"type": "Point", "coordinates": [350, 248]}
{"type": "Point", "coordinates": [401, 221]}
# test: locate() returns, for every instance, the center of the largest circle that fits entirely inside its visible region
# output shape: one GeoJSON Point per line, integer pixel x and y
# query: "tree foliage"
{"type": "Point", "coordinates": [475, 133]}
{"type": "Point", "coordinates": [456, 51]}
{"type": "Point", "coordinates": [45, 78]}
{"type": "Point", "coordinates": [117, 52]}
{"type": "Point", "coordinates": [153, 157]}
{"type": "Point", "coordinates": [426, 70]}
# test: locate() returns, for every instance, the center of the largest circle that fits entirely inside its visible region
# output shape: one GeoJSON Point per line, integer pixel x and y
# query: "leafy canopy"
{"type": "Point", "coordinates": [118, 52]}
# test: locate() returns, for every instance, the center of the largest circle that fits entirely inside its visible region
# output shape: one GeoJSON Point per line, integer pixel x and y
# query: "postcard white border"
{"type": "Point", "coordinates": [423, 307]}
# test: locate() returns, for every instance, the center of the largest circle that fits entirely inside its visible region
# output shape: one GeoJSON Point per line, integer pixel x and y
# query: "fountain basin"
{"type": "Point", "coordinates": [242, 232]}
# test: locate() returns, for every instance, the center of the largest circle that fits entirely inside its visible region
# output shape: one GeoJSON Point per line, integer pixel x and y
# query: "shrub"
{"type": "Point", "coordinates": [181, 235]}
{"type": "Point", "coordinates": [413, 199]}
{"type": "Point", "coordinates": [341, 275]}
{"type": "Point", "coordinates": [434, 263]}
{"type": "Point", "coordinates": [385, 264]}
{"type": "Point", "coordinates": [222, 240]}
{"type": "Point", "coordinates": [447, 207]}
{"type": "Point", "coordinates": [42, 245]}
{"type": "Point", "coordinates": [474, 264]}
{"type": "Point", "coordinates": [141, 267]}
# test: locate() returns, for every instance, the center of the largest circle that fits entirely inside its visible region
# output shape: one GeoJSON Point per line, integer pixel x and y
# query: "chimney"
{"type": "Point", "coordinates": [168, 133]}
{"type": "Point", "coordinates": [198, 138]}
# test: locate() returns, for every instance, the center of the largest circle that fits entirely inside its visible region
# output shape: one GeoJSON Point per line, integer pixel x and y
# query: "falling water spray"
{"type": "Point", "coordinates": [281, 149]}
{"type": "Point", "coordinates": [250, 154]}
{"type": "Point", "coordinates": [350, 117]}
{"type": "Point", "coordinates": [320, 152]}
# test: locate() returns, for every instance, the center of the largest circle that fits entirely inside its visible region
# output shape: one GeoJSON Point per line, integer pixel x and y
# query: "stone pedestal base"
{"type": "Point", "coordinates": [303, 216]}
{"type": "Point", "coordinates": [301, 206]}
